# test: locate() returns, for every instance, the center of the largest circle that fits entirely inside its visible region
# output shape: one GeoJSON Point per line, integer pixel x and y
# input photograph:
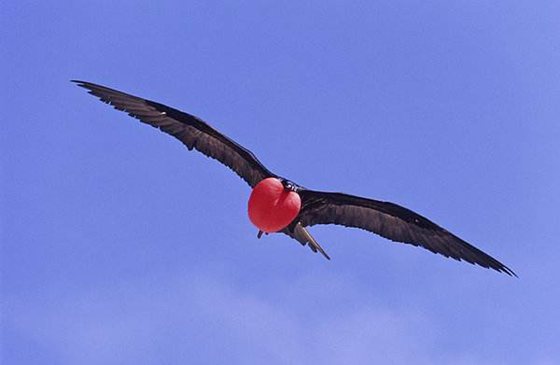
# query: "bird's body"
{"type": "Point", "coordinates": [279, 205]}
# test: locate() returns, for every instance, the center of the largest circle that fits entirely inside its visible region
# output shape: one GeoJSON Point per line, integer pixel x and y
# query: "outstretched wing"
{"type": "Point", "coordinates": [187, 128]}
{"type": "Point", "coordinates": [390, 221]}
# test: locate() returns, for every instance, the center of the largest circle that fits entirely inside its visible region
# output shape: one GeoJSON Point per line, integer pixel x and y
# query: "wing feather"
{"type": "Point", "coordinates": [189, 129]}
{"type": "Point", "coordinates": [391, 221]}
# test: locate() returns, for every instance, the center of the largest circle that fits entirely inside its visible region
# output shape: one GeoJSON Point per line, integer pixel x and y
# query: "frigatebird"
{"type": "Point", "coordinates": [277, 204]}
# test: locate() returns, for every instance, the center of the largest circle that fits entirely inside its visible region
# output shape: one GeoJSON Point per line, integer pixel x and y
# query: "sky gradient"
{"type": "Point", "coordinates": [119, 246]}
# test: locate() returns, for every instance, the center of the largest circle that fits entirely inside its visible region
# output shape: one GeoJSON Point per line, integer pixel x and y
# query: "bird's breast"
{"type": "Point", "coordinates": [271, 206]}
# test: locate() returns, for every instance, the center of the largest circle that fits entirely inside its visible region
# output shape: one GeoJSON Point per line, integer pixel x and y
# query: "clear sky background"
{"type": "Point", "coordinates": [121, 247]}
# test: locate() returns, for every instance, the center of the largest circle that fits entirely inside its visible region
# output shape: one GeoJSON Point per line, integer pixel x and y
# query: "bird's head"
{"type": "Point", "coordinates": [289, 185]}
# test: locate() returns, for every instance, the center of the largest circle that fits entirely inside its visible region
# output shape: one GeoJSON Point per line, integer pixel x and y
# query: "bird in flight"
{"type": "Point", "coordinates": [277, 204]}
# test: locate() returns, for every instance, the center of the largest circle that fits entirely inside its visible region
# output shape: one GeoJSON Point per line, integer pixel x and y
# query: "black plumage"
{"type": "Point", "coordinates": [192, 131]}
{"type": "Point", "coordinates": [383, 218]}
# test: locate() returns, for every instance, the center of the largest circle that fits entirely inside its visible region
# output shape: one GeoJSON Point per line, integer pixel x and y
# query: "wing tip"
{"type": "Point", "coordinates": [86, 85]}
{"type": "Point", "coordinates": [79, 82]}
{"type": "Point", "coordinates": [506, 270]}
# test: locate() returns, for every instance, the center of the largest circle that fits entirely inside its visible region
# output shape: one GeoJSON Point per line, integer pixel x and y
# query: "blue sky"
{"type": "Point", "coordinates": [118, 246]}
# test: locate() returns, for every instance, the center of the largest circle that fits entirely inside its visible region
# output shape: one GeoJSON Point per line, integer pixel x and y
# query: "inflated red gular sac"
{"type": "Point", "coordinates": [273, 205]}
{"type": "Point", "coordinates": [279, 205]}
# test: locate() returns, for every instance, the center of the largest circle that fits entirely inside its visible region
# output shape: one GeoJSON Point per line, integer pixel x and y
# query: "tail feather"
{"type": "Point", "coordinates": [303, 236]}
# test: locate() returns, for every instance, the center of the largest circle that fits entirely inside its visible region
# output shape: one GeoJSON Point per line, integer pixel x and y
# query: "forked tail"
{"type": "Point", "coordinates": [303, 236]}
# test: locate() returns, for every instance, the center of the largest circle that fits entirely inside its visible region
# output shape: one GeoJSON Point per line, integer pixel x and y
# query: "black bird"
{"type": "Point", "coordinates": [306, 207]}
